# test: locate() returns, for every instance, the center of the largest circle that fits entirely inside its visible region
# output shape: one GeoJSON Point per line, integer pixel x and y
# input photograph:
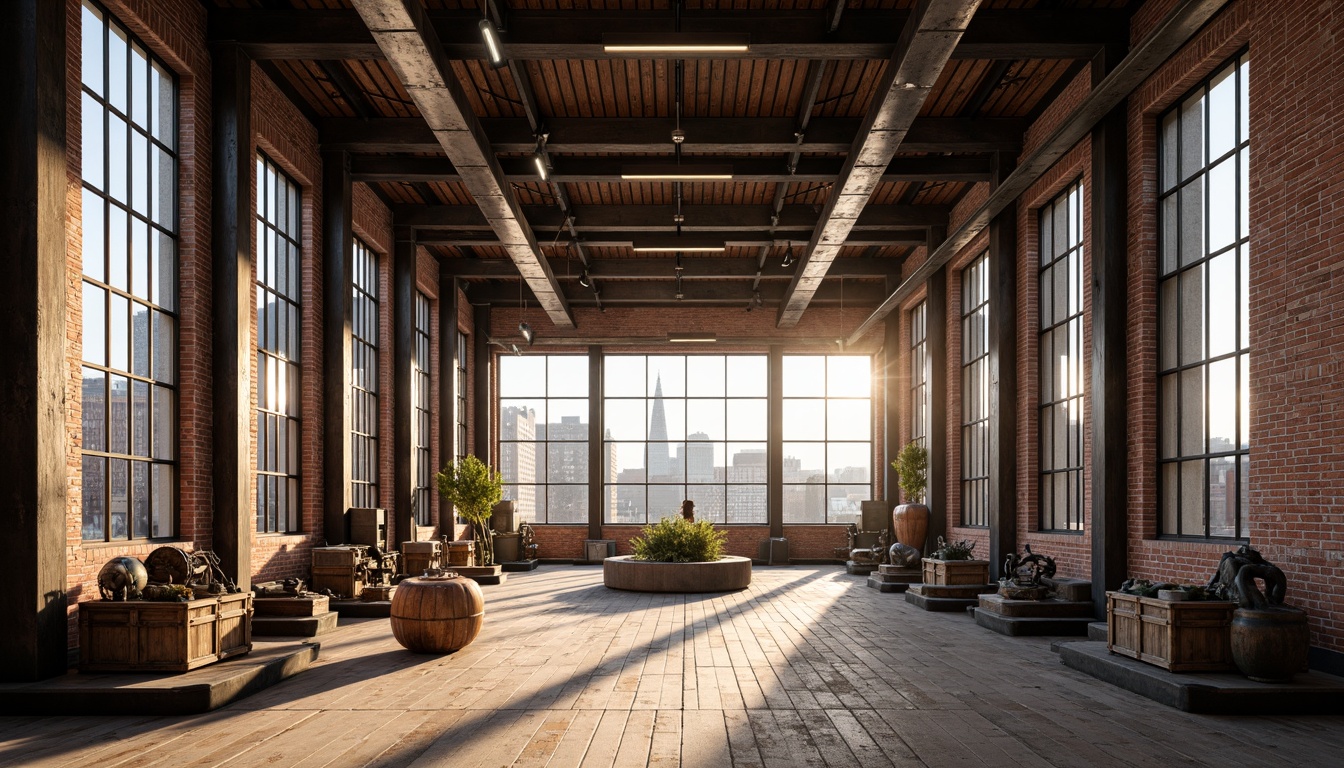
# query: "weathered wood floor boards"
{"type": "Point", "coordinates": [808, 667]}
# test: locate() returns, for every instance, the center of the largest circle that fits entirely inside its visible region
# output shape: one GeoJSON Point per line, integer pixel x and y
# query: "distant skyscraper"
{"type": "Point", "coordinates": [660, 460]}
{"type": "Point", "coordinates": [518, 458]}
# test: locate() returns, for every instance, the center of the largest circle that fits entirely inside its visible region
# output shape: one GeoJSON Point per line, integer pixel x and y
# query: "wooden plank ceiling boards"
{"type": "Point", "coordinates": [849, 129]}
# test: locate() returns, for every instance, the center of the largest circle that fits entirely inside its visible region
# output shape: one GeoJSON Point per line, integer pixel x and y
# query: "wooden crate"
{"type": "Point", "coordinates": [144, 636]}
{"type": "Point", "coordinates": [955, 573]}
{"type": "Point", "coordinates": [342, 580]}
{"type": "Point", "coordinates": [368, 525]}
{"type": "Point", "coordinates": [335, 557]}
{"type": "Point", "coordinates": [1184, 636]}
{"type": "Point", "coordinates": [461, 553]}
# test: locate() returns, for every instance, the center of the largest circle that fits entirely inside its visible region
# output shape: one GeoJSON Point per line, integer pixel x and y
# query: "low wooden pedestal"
{"type": "Point", "coordinates": [1016, 618]}
{"type": "Point", "coordinates": [1183, 636]}
{"type": "Point", "coordinates": [936, 597]}
{"type": "Point", "coordinates": [893, 578]}
{"type": "Point", "coordinates": [144, 636]}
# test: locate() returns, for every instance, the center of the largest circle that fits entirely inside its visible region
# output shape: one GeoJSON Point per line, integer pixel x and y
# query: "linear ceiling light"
{"type": "Point", "coordinates": [677, 173]}
{"type": "Point", "coordinates": [675, 43]}
{"type": "Point", "coordinates": [494, 50]}
{"type": "Point", "coordinates": [679, 248]}
{"type": "Point", "coordinates": [692, 337]}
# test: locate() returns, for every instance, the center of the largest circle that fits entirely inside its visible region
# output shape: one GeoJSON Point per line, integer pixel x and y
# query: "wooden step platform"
{"type": "Point", "coordinates": [1215, 693]}
{"type": "Point", "coordinates": [294, 626]}
{"type": "Point", "coordinates": [520, 566]}
{"type": "Point", "coordinates": [931, 597]}
{"type": "Point", "coordinates": [891, 578]}
{"type": "Point", "coordinates": [363, 609]}
{"type": "Point", "coordinates": [189, 693]}
{"type": "Point", "coordinates": [481, 574]}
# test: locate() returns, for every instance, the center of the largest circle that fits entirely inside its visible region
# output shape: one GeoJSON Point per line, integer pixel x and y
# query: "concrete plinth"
{"type": "Point", "coordinates": [1219, 693]}
{"type": "Point", "coordinates": [361, 609]}
{"type": "Point", "coordinates": [308, 605]}
{"type": "Point", "coordinates": [1075, 590]}
{"type": "Point", "coordinates": [891, 578]}
{"type": "Point", "coordinates": [859, 569]}
{"type": "Point", "coordinates": [482, 574]}
{"type": "Point", "coordinates": [519, 566]}
{"type": "Point", "coordinates": [1033, 617]}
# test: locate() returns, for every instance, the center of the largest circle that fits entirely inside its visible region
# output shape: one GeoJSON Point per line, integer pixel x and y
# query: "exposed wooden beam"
{"type": "Point", "coordinates": [926, 43]}
{"type": "Point", "coordinates": [625, 135]}
{"type": "Point", "coordinates": [1175, 29]}
{"type": "Point", "coordinates": [577, 35]}
{"type": "Point", "coordinates": [574, 170]}
{"type": "Point", "coordinates": [764, 238]}
{"type": "Point", "coordinates": [412, 47]}
{"type": "Point", "coordinates": [658, 218]}
{"type": "Point", "coordinates": [702, 291]}
{"type": "Point", "coordinates": [693, 267]}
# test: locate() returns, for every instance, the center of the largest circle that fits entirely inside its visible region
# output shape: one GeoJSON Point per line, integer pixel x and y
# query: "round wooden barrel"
{"type": "Point", "coordinates": [437, 614]}
{"type": "Point", "coordinates": [1269, 645]}
{"type": "Point", "coordinates": [911, 524]}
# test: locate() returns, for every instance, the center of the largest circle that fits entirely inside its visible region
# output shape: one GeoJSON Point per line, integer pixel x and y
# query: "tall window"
{"type": "Point", "coordinates": [919, 374]}
{"type": "Point", "coordinates": [975, 393]}
{"type": "Point", "coordinates": [462, 347]}
{"type": "Point", "coordinates": [129, 394]}
{"type": "Point", "coordinates": [422, 493]}
{"type": "Point", "coordinates": [543, 436]}
{"type": "Point", "coordinates": [684, 427]}
{"type": "Point", "coordinates": [364, 380]}
{"type": "Point", "coordinates": [828, 427]}
{"type": "Point", "coordinates": [1203, 291]}
{"type": "Point", "coordinates": [277, 284]}
{"type": "Point", "coordinates": [1061, 384]}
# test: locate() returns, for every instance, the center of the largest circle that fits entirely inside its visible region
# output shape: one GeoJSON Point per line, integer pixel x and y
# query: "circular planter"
{"type": "Point", "coordinates": [1269, 645]}
{"type": "Point", "coordinates": [437, 614]}
{"type": "Point", "coordinates": [911, 524]}
{"type": "Point", "coordinates": [723, 575]}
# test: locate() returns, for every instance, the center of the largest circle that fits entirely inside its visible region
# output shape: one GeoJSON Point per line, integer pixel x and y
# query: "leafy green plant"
{"type": "Point", "coordinates": [677, 540]}
{"type": "Point", "coordinates": [912, 467]}
{"type": "Point", "coordinates": [473, 488]}
{"type": "Point", "coordinates": [959, 551]}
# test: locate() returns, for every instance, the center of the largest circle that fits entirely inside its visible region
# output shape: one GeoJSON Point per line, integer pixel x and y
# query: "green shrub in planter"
{"type": "Point", "coordinates": [677, 540]}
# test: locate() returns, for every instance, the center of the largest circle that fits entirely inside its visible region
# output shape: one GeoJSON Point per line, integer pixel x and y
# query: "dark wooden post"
{"type": "Point", "coordinates": [448, 384]}
{"type": "Point", "coordinates": [895, 388]}
{"type": "Point", "coordinates": [337, 306]}
{"type": "Point", "coordinates": [597, 449]}
{"type": "Point", "coordinates": [936, 347]}
{"type": "Point", "coordinates": [774, 448]}
{"type": "Point", "coordinates": [1109, 427]}
{"type": "Point", "coordinates": [33, 314]}
{"type": "Point", "coordinates": [233, 307]}
{"type": "Point", "coordinates": [403, 407]}
{"type": "Point", "coordinates": [480, 404]}
{"type": "Point", "coordinates": [1002, 376]}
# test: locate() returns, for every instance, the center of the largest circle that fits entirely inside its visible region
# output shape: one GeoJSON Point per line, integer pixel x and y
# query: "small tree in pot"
{"type": "Point", "coordinates": [910, 521]}
{"type": "Point", "coordinates": [473, 488]}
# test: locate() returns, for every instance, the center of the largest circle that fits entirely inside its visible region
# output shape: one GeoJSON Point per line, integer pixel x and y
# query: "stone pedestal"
{"type": "Point", "coordinates": [483, 574]}
{"type": "Point", "coordinates": [307, 616]}
{"type": "Point", "coordinates": [1034, 617]}
{"type": "Point", "coordinates": [934, 597]}
{"type": "Point", "coordinates": [520, 566]}
{"type": "Point", "coordinates": [856, 568]}
{"type": "Point", "coordinates": [894, 578]}
{"type": "Point", "coordinates": [1075, 590]}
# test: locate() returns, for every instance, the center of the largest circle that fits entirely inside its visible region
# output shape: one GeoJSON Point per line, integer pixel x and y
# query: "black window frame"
{"type": "Point", "coordinates": [830, 517]}
{"type": "Point", "coordinates": [422, 413]}
{"type": "Point", "coordinates": [975, 394]}
{"type": "Point", "coordinates": [365, 326]}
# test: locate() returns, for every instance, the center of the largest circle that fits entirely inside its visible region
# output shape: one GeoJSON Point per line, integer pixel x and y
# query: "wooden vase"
{"type": "Point", "coordinates": [437, 614]}
{"type": "Point", "coordinates": [910, 522]}
{"type": "Point", "coordinates": [1269, 645]}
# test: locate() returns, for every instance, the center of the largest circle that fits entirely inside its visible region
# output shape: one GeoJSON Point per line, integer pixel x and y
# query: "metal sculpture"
{"type": "Point", "coordinates": [1236, 575]}
{"type": "Point", "coordinates": [122, 578]}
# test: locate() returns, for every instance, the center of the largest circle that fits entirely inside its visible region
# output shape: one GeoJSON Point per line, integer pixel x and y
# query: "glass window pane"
{"type": "Point", "coordinates": [848, 376]}
{"type": "Point", "coordinates": [567, 504]}
{"type": "Point", "coordinates": [624, 419]}
{"type": "Point", "coordinates": [566, 463]}
{"type": "Point", "coordinates": [95, 329]}
{"type": "Point", "coordinates": [844, 503]}
{"type": "Point", "coordinates": [1192, 222]}
{"type": "Point", "coordinates": [1192, 134]}
{"type": "Point", "coordinates": [748, 375]}
{"type": "Point", "coordinates": [91, 48]}
{"type": "Point", "coordinates": [1170, 427]}
{"type": "Point", "coordinates": [93, 478]}
{"type": "Point", "coordinates": [804, 462]}
{"type": "Point", "coordinates": [667, 419]}
{"type": "Point", "coordinates": [705, 419]}
{"type": "Point", "coordinates": [804, 504]}
{"type": "Point", "coordinates": [623, 376]}
{"type": "Point", "coordinates": [566, 376]}
{"type": "Point", "coordinates": [705, 376]}
{"type": "Point", "coordinates": [1222, 215]}
{"type": "Point", "coordinates": [747, 419]}
{"type": "Point", "coordinates": [1192, 315]}
{"type": "Point", "coordinates": [1171, 498]}
{"type": "Point", "coordinates": [1192, 497]}
{"type": "Point", "coordinates": [1192, 412]}
{"type": "Point", "coordinates": [92, 142]}
{"type": "Point", "coordinates": [1169, 131]}
{"type": "Point", "coordinates": [667, 375]}
{"type": "Point", "coordinates": [1223, 304]}
{"type": "Point", "coordinates": [163, 506]}
{"type": "Point", "coordinates": [1222, 113]}
{"type": "Point", "coordinates": [849, 419]}
{"type": "Point", "coordinates": [804, 376]}
{"type": "Point", "coordinates": [710, 502]}
{"type": "Point", "coordinates": [1222, 405]}
{"type": "Point", "coordinates": [522, 376]}
{"type": "Point", "coordinates": [93, 389]}
{"type": "Point", "coordinates": [849, 462]}
{"type": "Point", "coordinates": [746, 504]}
{"type": "Point", "coordinates": [566, 420]}
{"type": "Point", "coordinates": [625, 504]}
{"type": "Point", "coordinates": [665, 501]}
{"type": "Point", "coordinates": [804, 419]}
{"type": "Point", "coordinates": [1171, 231]}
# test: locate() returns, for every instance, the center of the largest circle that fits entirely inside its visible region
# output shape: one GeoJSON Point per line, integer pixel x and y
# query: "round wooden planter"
{"type": "Point", "coordinates": [723, 575]}
{"type": "Point", "coordinates": [1269, 645]}
{"type": "Point", "coordinates": [911, 524]}
{"type": "Point", "coordinates": [437, 614]}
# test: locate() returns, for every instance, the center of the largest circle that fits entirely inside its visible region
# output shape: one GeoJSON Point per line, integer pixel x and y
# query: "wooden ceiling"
{"type": "Point", "coordinates": [785, 116]}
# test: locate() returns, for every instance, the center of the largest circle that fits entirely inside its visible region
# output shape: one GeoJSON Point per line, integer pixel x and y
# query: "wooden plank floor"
{"type": "Point", "coordinates": [808, 667]}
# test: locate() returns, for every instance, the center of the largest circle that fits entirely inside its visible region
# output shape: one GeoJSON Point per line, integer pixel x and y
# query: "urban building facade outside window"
{"type": "Point", "coordinates": [685, 427]}
{"type": "Point", "coordinates": [827, 434]}
{"type": "Point", "coordinates": [975, 393]}
{"type": "Point", "coordinates": [543, 436]}
{"type": "Point", "coordinates": [278, 348]}
{"type": "Point", "coordinates": [128, 383]}
{"type": "Point", "coordinates": [1061, 357]}
{"type": "Point", "coordinates": [1203, 307]}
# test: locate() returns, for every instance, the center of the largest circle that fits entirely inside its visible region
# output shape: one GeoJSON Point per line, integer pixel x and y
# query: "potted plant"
{"type": "Point", "coordinates": [678, 555]}
{"type": "Point", "coordinates": [910, 521]}
{"type": "Point", "coordinates": [473, 488]}
{"type": "Point", "coordinates": [952, 565]}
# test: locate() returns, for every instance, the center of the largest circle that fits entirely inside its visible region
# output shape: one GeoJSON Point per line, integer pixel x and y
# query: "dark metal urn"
{"type": "Point", "coordinates": [1269, 645]}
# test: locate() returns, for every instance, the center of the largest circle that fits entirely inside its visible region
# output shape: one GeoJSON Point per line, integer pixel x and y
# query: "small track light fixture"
{"type": "Point", "coordinates": [527, 332]}
{"type": "Point", "coordinates": [788, 257]}
{"type": "Point", "coordinates": [583, 279]}
{"type": "Point", "coordinates": [494, 49]}
{"type": "Point", "coordinates": [539, 160]}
